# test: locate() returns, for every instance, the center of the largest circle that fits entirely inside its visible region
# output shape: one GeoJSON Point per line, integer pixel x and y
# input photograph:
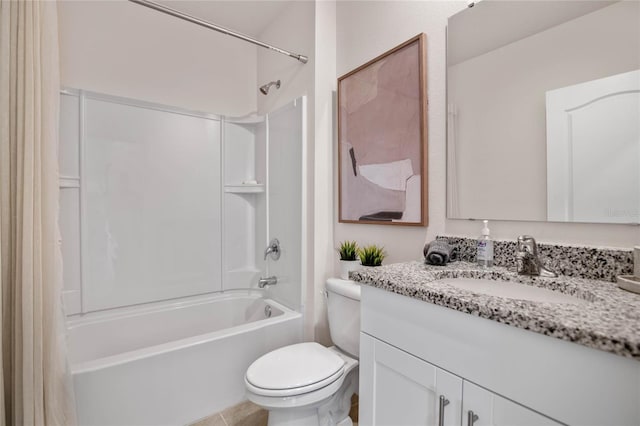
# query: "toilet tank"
{"type": "Point", "coordinates": [343, 308]}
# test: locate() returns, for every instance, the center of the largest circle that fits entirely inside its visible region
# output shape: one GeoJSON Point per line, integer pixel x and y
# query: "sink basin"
{"type": "Point", "coordinates": [510, 290]}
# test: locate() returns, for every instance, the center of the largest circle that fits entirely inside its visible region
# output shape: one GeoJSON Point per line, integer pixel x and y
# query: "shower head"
{"type": "Point", "coordinates": [265, 88]}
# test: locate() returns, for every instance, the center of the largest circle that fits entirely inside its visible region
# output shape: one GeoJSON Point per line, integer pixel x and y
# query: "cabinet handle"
{"type": "Point", "coordinates": [471, 418]}
{"type": "Point", "coordinates": [443, 403]}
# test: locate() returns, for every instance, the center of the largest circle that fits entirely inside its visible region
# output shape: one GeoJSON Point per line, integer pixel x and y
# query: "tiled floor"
{"type": "Point", "coordinates": [249, 414]}
{"type": "Point", "coordinates": [354, 409]}
{"type": "Point", "coordinates": [243, 414]}
{"type": "Point", "coordinates": [215, 420]}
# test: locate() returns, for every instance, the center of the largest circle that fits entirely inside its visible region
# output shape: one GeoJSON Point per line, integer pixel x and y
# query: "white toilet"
{"type": "Point", "coordinates": [308, 384]}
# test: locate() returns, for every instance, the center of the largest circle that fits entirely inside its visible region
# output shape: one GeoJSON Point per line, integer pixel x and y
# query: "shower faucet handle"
{"type": "Point", "coordinates": [273, 250]}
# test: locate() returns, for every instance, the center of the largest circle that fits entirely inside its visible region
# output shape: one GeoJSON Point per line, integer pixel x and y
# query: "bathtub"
{"type": "Point", "coordinates": [171, 363]}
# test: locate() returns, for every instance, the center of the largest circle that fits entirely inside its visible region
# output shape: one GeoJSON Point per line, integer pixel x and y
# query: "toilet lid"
{"type": "Point", "coordinates": [309, 366]}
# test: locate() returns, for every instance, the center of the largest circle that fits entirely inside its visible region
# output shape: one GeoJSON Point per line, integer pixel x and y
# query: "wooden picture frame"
{"type": "Point", "coordinates": [382, 139]}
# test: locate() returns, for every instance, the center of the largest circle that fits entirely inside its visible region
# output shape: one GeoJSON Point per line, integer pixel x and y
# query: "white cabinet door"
{"type": "Point", "coordinates": [398, 389]}
{"type": "Point", "coordinates": [493, 410]}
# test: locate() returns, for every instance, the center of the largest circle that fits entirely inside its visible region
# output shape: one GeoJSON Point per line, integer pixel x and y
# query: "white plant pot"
{"type": "Point", "coordinates": [347, 266]}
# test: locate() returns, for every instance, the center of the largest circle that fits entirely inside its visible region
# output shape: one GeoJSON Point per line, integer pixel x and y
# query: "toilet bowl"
{"type": "Point", "coordinates": [308, 384]}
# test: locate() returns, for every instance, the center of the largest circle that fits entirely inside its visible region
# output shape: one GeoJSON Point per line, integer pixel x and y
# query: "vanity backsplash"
{"type": "Point", "coordinates": [573, 261]}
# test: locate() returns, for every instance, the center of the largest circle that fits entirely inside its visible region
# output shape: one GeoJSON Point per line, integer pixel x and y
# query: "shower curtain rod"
{"type": "Point", "coordinates": [169, 11]}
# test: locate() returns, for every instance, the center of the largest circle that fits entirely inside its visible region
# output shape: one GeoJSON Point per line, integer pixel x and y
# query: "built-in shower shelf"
{"type": "Point", "coordinates": [246, 120]}
{"type": "Point", "coordinates": [244, 188]}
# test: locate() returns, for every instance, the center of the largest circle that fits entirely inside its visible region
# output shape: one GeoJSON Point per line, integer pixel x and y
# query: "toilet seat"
{"type": "Point", "coordinates": [309, 399]}
{"type": "Point", "coordinates": [294, 370]}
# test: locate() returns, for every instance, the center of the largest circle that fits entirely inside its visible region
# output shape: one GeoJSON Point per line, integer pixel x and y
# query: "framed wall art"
{"type": "Point", "coordinates": [382, 138]}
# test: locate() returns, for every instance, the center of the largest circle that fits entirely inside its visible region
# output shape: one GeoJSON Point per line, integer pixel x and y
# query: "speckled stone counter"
{"type": "Point", "coordinates": [572, 261]}
{"type": "Point", "coordinates": [609, 319]}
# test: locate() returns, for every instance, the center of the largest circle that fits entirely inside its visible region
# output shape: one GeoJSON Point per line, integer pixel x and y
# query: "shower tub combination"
{"type": "Point", "coordinates": [138, 229]}
{"type": "Point", "coordinates": [174, 362]}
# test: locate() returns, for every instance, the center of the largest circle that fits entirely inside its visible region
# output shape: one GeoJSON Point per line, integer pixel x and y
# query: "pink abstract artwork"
{"type": "Point", "coordinates": [382, 138]}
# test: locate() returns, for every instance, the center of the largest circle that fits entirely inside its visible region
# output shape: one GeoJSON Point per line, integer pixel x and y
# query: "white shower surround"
{"type": "Point", "coordinates": [178, 361]}
{"type": "Point", "coordinates": [125, 236]}
{"type": "Point", "coordinates": [175, 361]}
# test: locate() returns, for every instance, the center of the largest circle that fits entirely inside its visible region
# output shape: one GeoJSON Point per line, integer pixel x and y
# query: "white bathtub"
{"type": "Point", "coordinates": [171, 363]}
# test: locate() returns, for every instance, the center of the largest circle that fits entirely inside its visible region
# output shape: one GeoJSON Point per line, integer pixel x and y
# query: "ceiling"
{"type": "Point", "coordinates": [248, 17]}
{"type": "Point", "coordinates": [492, 24]}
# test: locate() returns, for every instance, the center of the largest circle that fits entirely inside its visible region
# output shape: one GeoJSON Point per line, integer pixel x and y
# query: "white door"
{"type": "Point", "coordinates": [484, 408]}
{"type": "Point", "coordinates": [593, 151]}
{"type": "Point", "coordinates": [398, 389]}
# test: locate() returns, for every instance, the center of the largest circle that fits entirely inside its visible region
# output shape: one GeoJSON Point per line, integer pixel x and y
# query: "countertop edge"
{"type": "Point", "coordinates": [594, 328]}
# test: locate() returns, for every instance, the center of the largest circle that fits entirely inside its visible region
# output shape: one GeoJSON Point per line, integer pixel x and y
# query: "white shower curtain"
{"type": "Point", "coordinates": [35, 382]}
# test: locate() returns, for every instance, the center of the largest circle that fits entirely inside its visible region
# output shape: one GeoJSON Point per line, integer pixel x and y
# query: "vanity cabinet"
{"type": "Point", "coordinates": [399, 389]}
{"type": "Point", "coordinates": [412, 352]}
{"type": "Point", "coordinates": [494, 410]}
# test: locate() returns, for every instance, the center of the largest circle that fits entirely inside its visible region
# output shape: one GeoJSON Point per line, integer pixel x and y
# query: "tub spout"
{"type": "Point", "coordinates": [263, 282]}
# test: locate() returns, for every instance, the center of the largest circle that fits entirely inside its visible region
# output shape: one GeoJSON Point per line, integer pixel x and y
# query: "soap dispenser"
{"type": "Point", "coordinates": [484, 254]}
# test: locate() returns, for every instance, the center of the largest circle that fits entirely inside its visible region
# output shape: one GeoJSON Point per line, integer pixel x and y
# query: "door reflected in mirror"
{"type": "Point", "coordinates": [543, 111]}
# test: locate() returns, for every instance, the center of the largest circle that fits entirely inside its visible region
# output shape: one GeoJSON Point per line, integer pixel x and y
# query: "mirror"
{"type": "Point", "coordinates": [543, 111]}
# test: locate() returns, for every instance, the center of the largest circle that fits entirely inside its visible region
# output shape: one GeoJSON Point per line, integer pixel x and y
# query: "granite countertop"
{"type": "Point", "coordinates": [609, 320]}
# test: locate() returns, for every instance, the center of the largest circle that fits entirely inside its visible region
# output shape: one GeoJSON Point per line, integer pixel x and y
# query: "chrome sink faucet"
{"type": "Point", "coordinates": [527, 260]}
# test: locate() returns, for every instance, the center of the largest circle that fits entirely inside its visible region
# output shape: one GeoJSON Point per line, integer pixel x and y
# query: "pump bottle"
{"type": "Point", "coordinates": [485, 247]}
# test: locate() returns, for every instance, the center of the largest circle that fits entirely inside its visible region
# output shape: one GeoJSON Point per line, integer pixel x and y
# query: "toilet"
{"type": "Point", "coordinates": [308, 384]}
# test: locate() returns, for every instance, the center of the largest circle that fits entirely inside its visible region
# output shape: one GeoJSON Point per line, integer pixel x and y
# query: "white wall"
{"type": "Point", "coordinates": [309, 28]}
{"type": "Point", "coordinates": [366, 29]}
{"type": "Point", "coordinates": [294, 30]}
{"type": "Point", "coordinates": [120, 48]}
{"type": "Point", "coordinates": [324, 211]}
